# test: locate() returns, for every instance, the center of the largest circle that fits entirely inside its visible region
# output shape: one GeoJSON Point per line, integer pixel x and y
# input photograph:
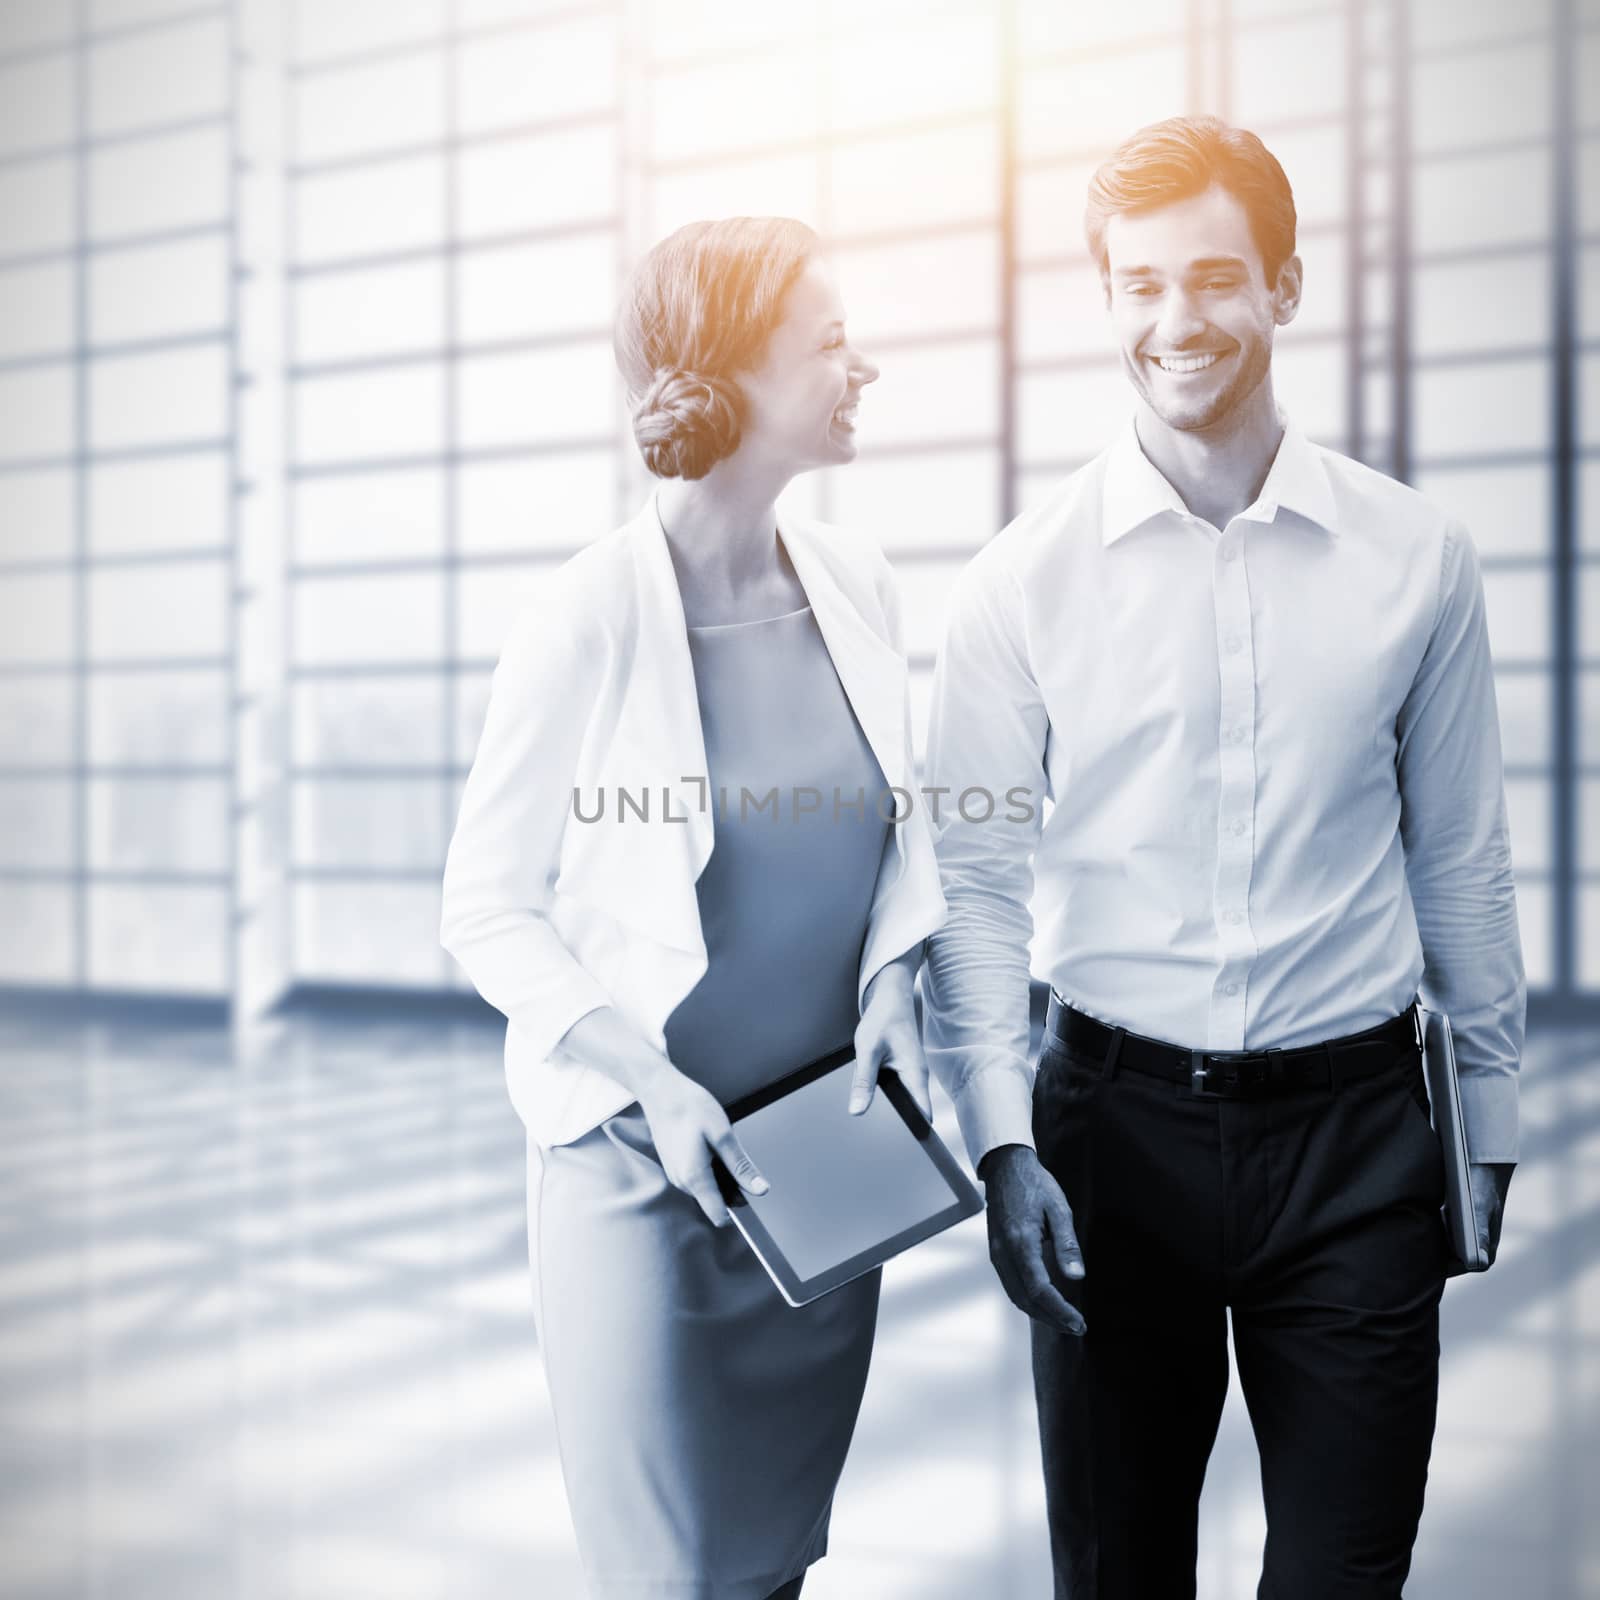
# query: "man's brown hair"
{"type": "Point", "coordinates": [1183, 157]}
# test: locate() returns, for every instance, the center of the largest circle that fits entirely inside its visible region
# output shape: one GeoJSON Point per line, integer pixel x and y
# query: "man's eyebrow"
{"type": "Point", "coordinates": [1215, 263]}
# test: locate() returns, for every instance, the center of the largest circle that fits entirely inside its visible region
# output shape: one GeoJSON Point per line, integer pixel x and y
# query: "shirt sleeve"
{"type": "Point", "coordinates": [1458, 854]}
{"type": "Point", "coordinates": [986, 735]}
{"type": "Point", "coordinates": [505, 850]}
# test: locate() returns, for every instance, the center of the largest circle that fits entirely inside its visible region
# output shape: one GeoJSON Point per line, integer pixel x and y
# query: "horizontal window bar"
{"type": "Point", "coordinates": [92, 561]}
{"type": "Point", "coordinates": [439, 354]}
{"type": "Point", "coordinates": [57, 669]}
{"type": "Point", "coordinates": [452, 247]}
{"type": "Point", "coordinates": [135, 452]}
{"type": "Point", "coordinates": [108, 141]}
{"type": "Point", "coordinates": [531, 451]}
{"type": "Point", "coordinates": [388, 155]}
{"type": "Point", "coordinates": [154, 345]}
{"type": "Point", "coordinates": [117, 875]}
{"type": "Point", "coordinates": [112, 34]}
{"type": "Point", "coordinates": [155, 772]}
{"type": "Point", "coordinates": [105, 246]}
{"type": "Point", "coordinates": [424, 44]}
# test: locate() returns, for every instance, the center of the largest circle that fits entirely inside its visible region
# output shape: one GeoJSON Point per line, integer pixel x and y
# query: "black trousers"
{"type": "Point", "coordinates": [1313, 1217]}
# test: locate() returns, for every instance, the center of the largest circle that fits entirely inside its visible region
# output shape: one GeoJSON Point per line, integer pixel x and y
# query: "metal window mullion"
{"type": "Point", "coordinates": [450, 584]}
{"type": "Point", "coordinates": [80, 494]}
{"type": "Point", "coordinates": [1010, 257]}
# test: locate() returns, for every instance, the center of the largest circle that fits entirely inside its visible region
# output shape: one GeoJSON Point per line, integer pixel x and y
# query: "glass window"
{"type": "Point", "coordinates": [158, 289]}
{"type": "Point", "coordinates": [922, 287]}
{"type": "Point", "coordinates": [1506, 509]}
{"type": "Point", "coordinates": [368, 722]}
{"type": "Point", "coordinates": [1523, 699]}
{"type": "Point", "coordinates": [1489, 200]}
{"type": "Point", "coordinates": [950, 392]}
{"type": "Point", "coordinates": [164, 76]}
{"type": "Point", "coordinates": [36, 720]}
{"type": "Point", "coordinates": [36, 22]}
{"type": "Point", "coordinates": [375, 106]}
{"type": "Point", "coordinates": [911, 181]}
{"type": "Point", "coordinates": [1093, 104]}
{"type": "Point", "coordinates": [488, 599]}
{"type": "Point", "coordinates": [1486, 98]}
{"type": "Point", "coordinates": [36, 412]}
{"type": "Point", "coordinates": [369, 516]}
{"type": "Point", "coordinates": [513, 291]}
{"type": "Point", "coordinates": [395, 618]}
{"type": "Point", "coordinates": [36, 310]}
{"type": "Point", "coordinates": [1502, 406]}
{"type": "Point", "coordinates": [1289, 72]}
{"type": "Point", "coordinates": [734, 105]}
{"type": "Point", "coordinates": [939, 67]}
{"type": "Point", "coordinates": [1061, 311]}
{"type": "Point", "coordinates": [334, 30]}
{"type": "Point", "coordinates": [550, 503]}
{"type": "Point", "coordinates": [1070, 416]}
{"type": "Point", "coordinates": [1528, 818]}
{"type": "Point", "coordinates": [1436, 23]}
{"type": "Point", "coordinates": [398, 205]}
{"type": "Point", "coordinates": [472, 706]}
{"type": "Point", "coordinates": [36, 515]}
{"type": "Point", "coordinates": [947, 501]}
{"type": "Point", "coordinates": [543, 181]}
{"type": "Point", "coordinates": [368, 822]}
{"type": "Point", "coordinates": [683, 28]}
{"type": "Point", "coordinates": [175, 396]}
{"type": "Point", "coordinates": [567, 392]}
{"type": "Point", "coordinates": [396, 411]}
{"type": "Point", "coordinates": [36, 934]}
{"type": "Point", "coordinates": [1310, 383]}
{"type": "Point", "coordinates": [924, 593]}
{"type": "Point", "coordinates": [36, 612]}
{"type": "Point", "coordinates": [560, 70]}
{"type": "Point", "coordinates": [1316, 163]}
{"type": "Point", "coordinates": [173, 182]}
{"type": "Point", "coordinates": [781, 186]}
{"type": "Point", "coordinates": [373, 312]}
{"type": "Point", "coordinates": [1046, 26]}
{"type": "Point", "coordinates": [163, 503]}
{"type": "Point", "coordinates": [176, 717]}
{"type": "Point", "coordinates": [370, 933]}
{"type": "Point", "coordinates": [36, 103]}
{"type": "Point", "coordinates": [160, 612]}
{"type": "Point", "coordinates": [1481, 305]}
{"type": "Point", "coordinates": [36, 824]}
{"type": "Point", "coordinates": [158, 939]}
{"type": "Point", "coordinates": [1518, 604]}
{"type": "Point", "coordinates": [158, 824]}
{"type": "Point", "coordinates": [1588, 504]}
{"type": "Point", "coordinates": [36, 199]}
{"type": "Point", "coordinates": [1326, 259]}
{"type": "Point", "coordinates": [1050, 202]}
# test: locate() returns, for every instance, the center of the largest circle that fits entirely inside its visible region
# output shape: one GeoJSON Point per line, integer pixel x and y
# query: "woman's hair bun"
{"type": "Point", "coordinates": [686, 422]}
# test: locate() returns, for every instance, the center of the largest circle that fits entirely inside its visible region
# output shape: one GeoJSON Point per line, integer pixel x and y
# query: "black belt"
{"type": "Point", "coordinates": [1234, 1074]}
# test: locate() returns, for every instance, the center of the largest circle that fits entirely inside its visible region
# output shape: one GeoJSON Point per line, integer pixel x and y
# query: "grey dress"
{"type": "Point", "coordinates": [703, 1422]}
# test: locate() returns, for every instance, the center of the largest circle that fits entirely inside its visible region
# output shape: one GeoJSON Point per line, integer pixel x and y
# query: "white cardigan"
{"type": "Point", "coordinates": [552, 917]}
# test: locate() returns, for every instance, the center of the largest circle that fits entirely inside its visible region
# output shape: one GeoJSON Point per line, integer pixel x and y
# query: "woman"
{"type": "Point", "coordinates": [637, 882]}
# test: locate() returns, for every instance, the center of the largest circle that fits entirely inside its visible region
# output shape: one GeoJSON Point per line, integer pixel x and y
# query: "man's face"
{"type": "Point", "coordinates": [1192, 309]}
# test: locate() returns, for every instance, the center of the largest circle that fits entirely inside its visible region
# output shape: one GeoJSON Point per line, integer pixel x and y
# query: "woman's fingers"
{"type": "Point", "coordinates": [870, 1051]}
{"type": "Point", "coordinates": [702, 1188]}
{"type": "Point", "coordinates": [737, 1160]}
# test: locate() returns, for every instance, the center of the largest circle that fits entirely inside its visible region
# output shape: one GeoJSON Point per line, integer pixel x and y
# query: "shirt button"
{"type": "Point", "coordinates": [1232, 988]}
{"type": "Point", "coordinates": [1234, 643]}
{"type": "Point", "coordinates": [1236, 734]}
{"type": "Point", "coordinates": [1238, 827]}
{"type": "Point", "coordinates": [1228, 550]}
{"type": "Point", "coordinates": [1234, 918]}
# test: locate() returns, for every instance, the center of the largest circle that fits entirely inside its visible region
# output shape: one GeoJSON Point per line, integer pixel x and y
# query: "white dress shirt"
{"type": "Point", "coordinates": [1274, 764]}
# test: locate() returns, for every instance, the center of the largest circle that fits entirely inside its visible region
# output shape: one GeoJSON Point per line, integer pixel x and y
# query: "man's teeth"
{"type": "Point", "coordinates": [845, 413]}
{"type": "Point", "coordinates": [1186, 363]}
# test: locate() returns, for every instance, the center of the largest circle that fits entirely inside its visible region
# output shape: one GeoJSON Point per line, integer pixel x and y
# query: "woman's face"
{"type": "Point", "coordinates": [800, 400]}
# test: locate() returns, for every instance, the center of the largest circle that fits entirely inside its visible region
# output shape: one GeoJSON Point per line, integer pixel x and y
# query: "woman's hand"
{"type": "Point", "coordinates": [888, 1036]}
{"type": "Point", "coordinates": [689, 1127]}
{"type": "Point", "coordinates": [686, 1123]}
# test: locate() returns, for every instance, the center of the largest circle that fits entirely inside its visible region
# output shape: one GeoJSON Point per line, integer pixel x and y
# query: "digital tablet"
{"type": "Point", "coordinates": [847, 1192]}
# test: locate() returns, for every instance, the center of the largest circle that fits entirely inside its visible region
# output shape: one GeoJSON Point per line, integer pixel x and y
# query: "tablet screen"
{"type": "Point", "coordinates": [840, 1184]}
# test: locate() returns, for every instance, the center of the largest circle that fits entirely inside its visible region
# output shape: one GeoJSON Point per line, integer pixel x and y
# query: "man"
{"type": "Point", "coordinates": [1253, 677]}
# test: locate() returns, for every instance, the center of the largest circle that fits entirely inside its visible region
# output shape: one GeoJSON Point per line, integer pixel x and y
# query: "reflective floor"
{"type": "Point", "coordinates": [265, 1333]}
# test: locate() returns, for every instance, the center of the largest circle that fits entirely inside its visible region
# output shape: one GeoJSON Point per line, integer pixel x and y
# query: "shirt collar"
{"type": "Point", "coordinates": [1135, 492]}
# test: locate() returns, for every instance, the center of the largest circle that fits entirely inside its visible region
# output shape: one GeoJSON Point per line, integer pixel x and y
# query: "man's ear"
{"type": "Point", "coordinates": [1286, 292]}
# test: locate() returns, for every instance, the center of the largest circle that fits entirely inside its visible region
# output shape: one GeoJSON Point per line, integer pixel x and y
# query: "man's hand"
{"type": "Point", "coordinates": [1490, 1181]}
{"type": "Point", "coordinates": [1028, 1216]}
